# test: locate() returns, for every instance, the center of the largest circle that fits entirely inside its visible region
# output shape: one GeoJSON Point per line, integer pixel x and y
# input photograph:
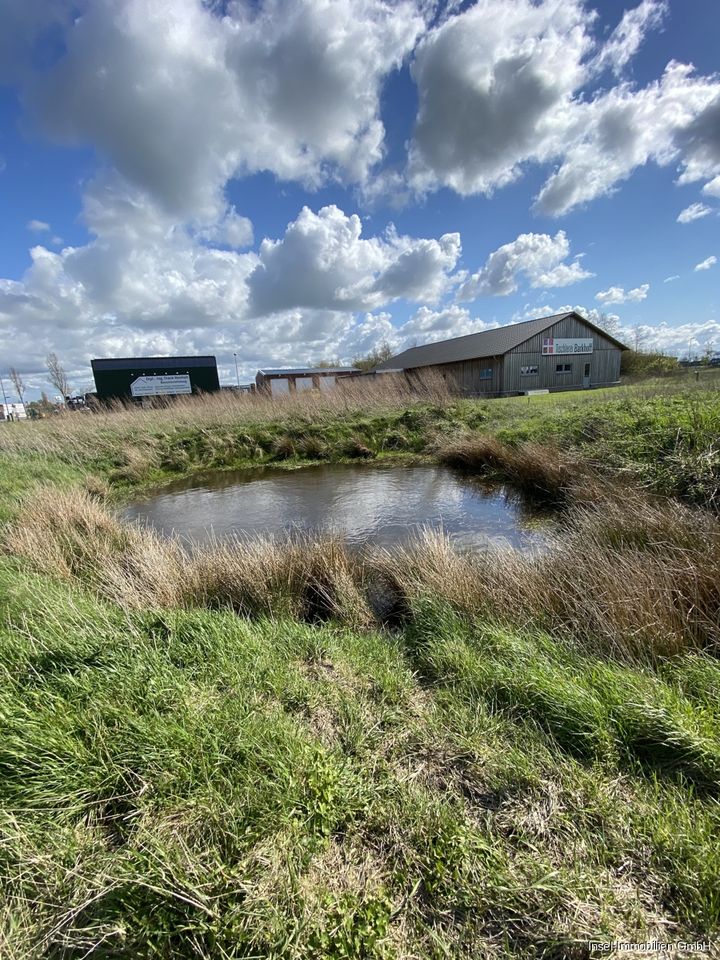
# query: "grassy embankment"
{"type": "Point", "coordinates": [298, 752]}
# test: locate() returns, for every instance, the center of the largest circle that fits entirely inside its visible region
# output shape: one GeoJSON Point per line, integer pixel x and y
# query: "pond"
{"type": "Point", "coordinates": [382, 505]}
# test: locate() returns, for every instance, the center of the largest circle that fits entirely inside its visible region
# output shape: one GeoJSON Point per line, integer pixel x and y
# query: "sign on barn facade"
{"type": "Point", "coordinates": [561, 346]}
{"type": "Point", "coordinates": [159, 385]}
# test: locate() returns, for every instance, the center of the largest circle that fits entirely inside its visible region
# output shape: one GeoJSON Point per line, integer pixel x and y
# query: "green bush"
{"type": "Point", "coordinates": [638, 364]}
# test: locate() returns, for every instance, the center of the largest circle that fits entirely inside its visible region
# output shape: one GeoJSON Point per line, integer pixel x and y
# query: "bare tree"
{"type": "Point", "coordinates": [639, 338]}
{"type": "Point", "coordinates": [17, 382]}
{"type": "Point", "coordinates": [609, 322]}
{"type": "Point", "coordinates": [58, 377]}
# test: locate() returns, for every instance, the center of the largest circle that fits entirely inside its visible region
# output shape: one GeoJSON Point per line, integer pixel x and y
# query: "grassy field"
{"type": "Point", "coordinates": [290, 751]}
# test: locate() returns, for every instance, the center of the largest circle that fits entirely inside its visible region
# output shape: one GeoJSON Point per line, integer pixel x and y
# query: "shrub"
{"type": "Point", "coordinates": [638, 364]}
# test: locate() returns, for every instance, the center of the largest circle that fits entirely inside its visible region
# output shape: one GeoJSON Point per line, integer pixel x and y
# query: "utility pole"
{"type": "Point", "coordinates": [5, 399]}
{"type": "Point", "coordinates": [237, 374]}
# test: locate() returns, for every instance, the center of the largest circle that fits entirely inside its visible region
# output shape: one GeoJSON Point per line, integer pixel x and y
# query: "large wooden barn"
{"type": "Point", "coordinates": [562, 352]}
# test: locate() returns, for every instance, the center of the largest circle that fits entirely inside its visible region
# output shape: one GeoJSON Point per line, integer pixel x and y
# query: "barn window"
{"type": "Point", "coordinates": [486, 374]}
{"type": "Point", "coordinates": [563, 368]}
{"type": "Point", "coordinates": [530, 371]}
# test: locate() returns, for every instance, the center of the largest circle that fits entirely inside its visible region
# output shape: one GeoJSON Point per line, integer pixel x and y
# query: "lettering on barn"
{"type": "Point", "coordinates": [158, 386]}
{"type": "Point", "coordinates": [564, 345]}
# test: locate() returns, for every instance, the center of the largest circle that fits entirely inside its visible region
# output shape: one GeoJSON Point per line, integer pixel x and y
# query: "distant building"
{"type": "Point", "coordinates": [239, 388]}
{"type": "Point", "coordinates": [135, 378]}
{"type": "Point", "coordinates": [13, 411]}
{"type": "Point", "coordinates": [280, 381]}
{"type": "Point", "coordinates": [561, 352]}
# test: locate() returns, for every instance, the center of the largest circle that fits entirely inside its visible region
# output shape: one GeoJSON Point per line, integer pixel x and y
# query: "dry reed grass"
{"type": "Point", "coordinates": [634, 579]}
{"type": "Point", "coordinates": [540, 470]}
{"type": "Point", "coordinates": [638, 579]}
{"type": "Point", "coordinates": [75, 437]}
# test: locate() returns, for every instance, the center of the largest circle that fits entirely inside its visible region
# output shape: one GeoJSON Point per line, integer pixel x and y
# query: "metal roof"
{"type": "Point", "coordinates": [151, 363]}
{"type": "Point", "coordinates": [488, 343]}
{"type": "Point", "coordinates": [304, 371]}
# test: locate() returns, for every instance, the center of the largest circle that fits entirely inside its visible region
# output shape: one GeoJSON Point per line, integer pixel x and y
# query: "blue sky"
{"type": "Point", "coordinates": [300, 181]}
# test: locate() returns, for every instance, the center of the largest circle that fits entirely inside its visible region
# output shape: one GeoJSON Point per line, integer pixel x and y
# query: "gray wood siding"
{"type": "Point", "coordinates": [604, 361]}
{"type": "Point", "coordinates": [464, 377]}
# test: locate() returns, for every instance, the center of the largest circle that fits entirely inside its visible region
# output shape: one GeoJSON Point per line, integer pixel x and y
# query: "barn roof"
{"type": "Point", "coordinates": [150, 363]}
{"type": "Point", "coordinates": [488, 343]}
{"type": "Point", "coordinates": [305, 371]}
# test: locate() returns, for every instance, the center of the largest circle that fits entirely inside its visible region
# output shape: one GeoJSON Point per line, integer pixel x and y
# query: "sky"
{"type": "Point", "coordinates": [295, 181]}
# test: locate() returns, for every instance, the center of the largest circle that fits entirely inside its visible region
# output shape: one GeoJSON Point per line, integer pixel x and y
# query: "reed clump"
{"type": "Point", "coordinates": [637, 579]}
{"type": "Point", "coordinates": [311, 579]}
{"type": "Point", "coordinates": [543, 471]}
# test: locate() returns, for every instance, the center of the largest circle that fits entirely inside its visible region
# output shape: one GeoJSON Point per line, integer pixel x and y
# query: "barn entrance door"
{"type": "Point", "coordinates": [586, 376]}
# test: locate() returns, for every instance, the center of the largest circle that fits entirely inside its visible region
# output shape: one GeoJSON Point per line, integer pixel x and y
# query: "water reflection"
{"type": "Point", "coordinates": [382, 505]}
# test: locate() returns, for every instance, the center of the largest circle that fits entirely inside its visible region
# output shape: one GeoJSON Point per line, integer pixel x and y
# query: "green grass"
{"type": "Point", "coordinates": [19, 475]}
{"type": "Point", "coordinates": [195, 784]}
{"type": "Point", "coordinates": [481, 780]}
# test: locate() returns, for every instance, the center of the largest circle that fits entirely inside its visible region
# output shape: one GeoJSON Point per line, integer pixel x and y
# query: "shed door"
{"type": "Point", "coordinates": [586, 375]}
{"type": "Point", "coordinates": [279, 386]}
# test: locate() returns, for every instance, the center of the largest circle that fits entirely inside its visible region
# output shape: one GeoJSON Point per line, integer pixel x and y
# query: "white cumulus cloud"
{"type": "Point", "coordinates": [505, 85]}
{"type": "Point", "coordinates": [627, 38]}
{"type": "Point", "coordinates": [619, 295]}
{"type": "Point", "coordinates": [181, 96]}
{"type": "Point", "coordinates": [609, 137]}
{"type": "Point", "coordinates": [712, 188]}
{"type": "Point", "coordinates": [539, 257]}
{"type": "Point", "coordinates": [428, 326]}
{"type": "Point", "coordinates": [323, 262]}
{"type": "Point", "coordinates": [694, 212]}
{"type": "Point", "coordinates": [231, 229]}
{"type": "Point", "coordinates": [491, 81]}
{"type": "Point", "coordinates": [707, 263]}
{"type": "Point", "coordinates": [145, 284]}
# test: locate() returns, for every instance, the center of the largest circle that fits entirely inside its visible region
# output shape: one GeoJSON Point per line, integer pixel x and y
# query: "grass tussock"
{"type": "Point", "coordinates": [637, 579]}
{"type": "Point", "coordinates": [651, 596]}
{"type": "Point", "coordinates": [540, 470]}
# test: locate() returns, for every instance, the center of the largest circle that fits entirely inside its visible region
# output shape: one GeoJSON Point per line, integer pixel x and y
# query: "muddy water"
{"type": "Point", "coordinates": [378, 504]}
